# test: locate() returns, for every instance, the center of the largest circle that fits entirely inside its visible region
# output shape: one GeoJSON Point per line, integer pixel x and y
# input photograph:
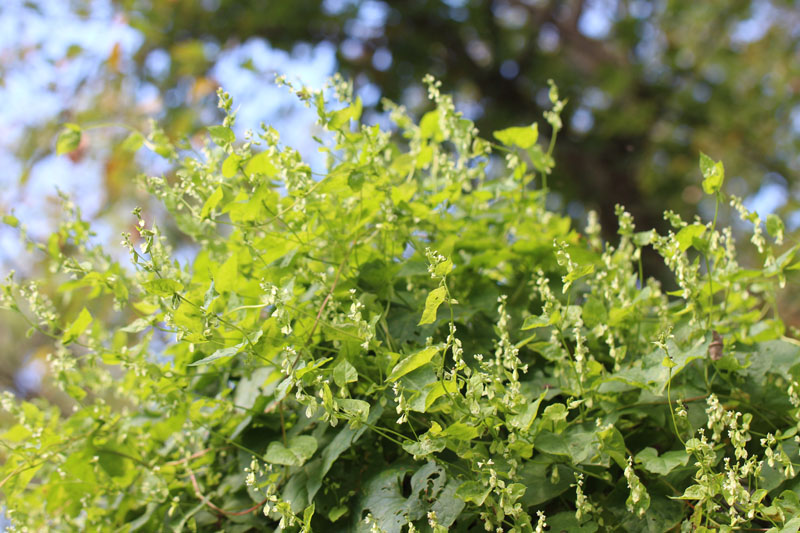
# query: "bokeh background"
{"type": "Point", "coordinates": [650, 85]}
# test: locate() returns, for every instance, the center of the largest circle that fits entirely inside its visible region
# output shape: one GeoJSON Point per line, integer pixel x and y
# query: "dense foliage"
{"type": "Point", "coordinates": [408, 341]}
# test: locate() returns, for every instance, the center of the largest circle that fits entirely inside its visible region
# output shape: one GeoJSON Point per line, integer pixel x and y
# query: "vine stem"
{"type": "Point", "coordinates": [208, 503]}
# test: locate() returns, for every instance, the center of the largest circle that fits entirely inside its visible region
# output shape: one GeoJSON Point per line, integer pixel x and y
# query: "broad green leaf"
{"type": "Point", "coordinates": [221, 135]}
{"type": "Point", "coordinates": [643, 238]}
{"type": "Point", "coordinates": [308, 513]}
{"type": "Point", "coordinates": [566, 521]}
{"type": "Point", "coordinates": [541, 321]}
{"type": "Point", "coordinates": [211, 202]}
{"type": "Point", "coordinates": [337, 512]}
{"type": "Point", "coordinates": [10, 220]}
{"type": "Point", "coordinates": [340, 443]}
{"type": "Point", "coordinates": [382, 496]}
{"type": "Point", "coordinates": [260, 165]}
{"type": "Point", "coordinates": [359, 409]}
{"type": "Point", "coordinates": [69, 139]}
{"type": "Point", "coordinates": [578, 273]}
{"type": "Point", "coordinates": [219, 354]}
{"type": "Point", "coordinates": [429, 126]}
{"type": "Point", "coordinates": [713, 174]}
{"type": "Point", "coordinates": [774, 225]}
{"type": "Point", "coordinates": [77, 327]}
{"type": "Point", "coordinates": [230, 166]}
{"type": "Point", "coordinates": [687, 234]}
{"type": "Point", "coordinates": [439, 389]}
{"type": "Point", "coordinates": [412, 362]}
{"type": "Point", "coordinates": [461, 431]}
{"type": "Point", "coordinates": [432, 303]}
{"type": "Point", "coordinates": [425, 446]}
{"type": "Point", "coordinates": [227, 276]}
{"type": "Point", "coordinates": [443, 268]}
{"type": "Point", "coordinates": [300, 449]}
{"type": "Point", "coordinates": [163, 287]}
{"type": "Point", "coordinates": [133, 142]}
{"type": "Point", "coordinates": [663, 464]}
{"type": "Point", "coordinates": [473, 491]}
{"type": "Point", "coordinates": [312, 368]}
{"type": "Point", "coordinates": [342, 117]}
{"type": "Point", "coordinates": [523, 420]}
{"type": "Point", "coordinates": [344, 373]}
{"type": "Point", "coordinates": [524, 137]}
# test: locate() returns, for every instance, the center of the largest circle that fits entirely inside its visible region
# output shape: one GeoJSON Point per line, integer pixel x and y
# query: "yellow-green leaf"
{"type": "Point", "coordinates": [260, 164]}
{"type": "Point", "coordinates": [77, 327]}
{"type": "Point", "coordinates": [227, 275]}
{"type": "Point", "coordinates": [432, 303]}
{"type": "Point", "coordinates": [713, 174]}
{"type": "Point", "coordinates": [412, 362]}
{"type": "Point", "coordinates": [524, 137]}
{"type": "Point", "coordinates": [163, 287]}
{"type": "Point", "coordinates": [342, 117]}
{"type": "Point", "coordinates": [230, 166]}
{"type": "Point", "coordinates": [687, 233]}
{"type": "Point", "coordinates": [221, 135]}
{"type": "Point", "coordinates": [69, 139]}
{"type": "Point", "coordinates": [211, 203]}
{"type": "Point", "coordinates": [461, 431]}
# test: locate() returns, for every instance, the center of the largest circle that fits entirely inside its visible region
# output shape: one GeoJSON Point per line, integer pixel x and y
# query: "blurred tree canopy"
{"type": "Point", "coordinates": [651, 83]}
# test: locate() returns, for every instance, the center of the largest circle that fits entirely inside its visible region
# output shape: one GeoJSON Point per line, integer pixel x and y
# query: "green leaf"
{"type": "Point", "coordinates": [308, 513]}
{"type": "Point", "coordinates": [643, 238]}
{"type": "Point", "coordinates": [439, 389]}
{"type": "Point", "coordinates": [300, 450]}
{"type": "Point", "coordinates": [260, 165]}
{"type": "Point", "coordinates": [312, 368]}
{"type": "Point", "coordinates": [774, 225]}
{"type": "Point", "coordinates": [668, 363]}
{"type": "Point", "coordinates": [541, 321]}
{"type": "Point", "coordinates": [358, 409]}
{"type": "Point", "coordinates": [432, 303]}
{"type": "Point", "coordinates": [228, 274]}
{"type": "Point", "coordinates": [523, 137]}
{"type": "Point", "coordinates": [412, 362]}
{"type": "Point", "coordinates": [523, 420]}
{"type": "Point", "coordinates": [133, 142]}
{"type": "Point", "coordinates": [230, 166]}
{"type": "Point", "coordinates": [211, 202]}
{"type": "Point", "coordinates": [11, 220]}
{"type": "Point", "coordinates": [219, 354]}
{"type": "Point", "coordinates": [344, 373]}
{"type": "Point", "coordinates": [686, 235]}
{"type": "Point", "coordinates": [221, 135]}
{"type": "Point", "coordinates": [337, 512]}
{"type": "Point", "coordinates": [163, 287]}
{"type": "Point", "coordinates": [461, 431]}
{"type": "Point", "coordinates": [443, 268]}
{"type": "Point", "coordinates": [69, 139]}
{"type": "Point", "coordinates": [429, 126]}
{"type": "Point", "coordinates": [578, 273]}
{"type": "Point", "coordinates": [661, 465]}
{"type": "Point", "coordinates": [342, 117]}
{"type": "Point", "coordinates": [473, 491]}
{"type": "Point", "coordinates": [77, 327]}
{"type": "Point", "coordinates": [713, 174]}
